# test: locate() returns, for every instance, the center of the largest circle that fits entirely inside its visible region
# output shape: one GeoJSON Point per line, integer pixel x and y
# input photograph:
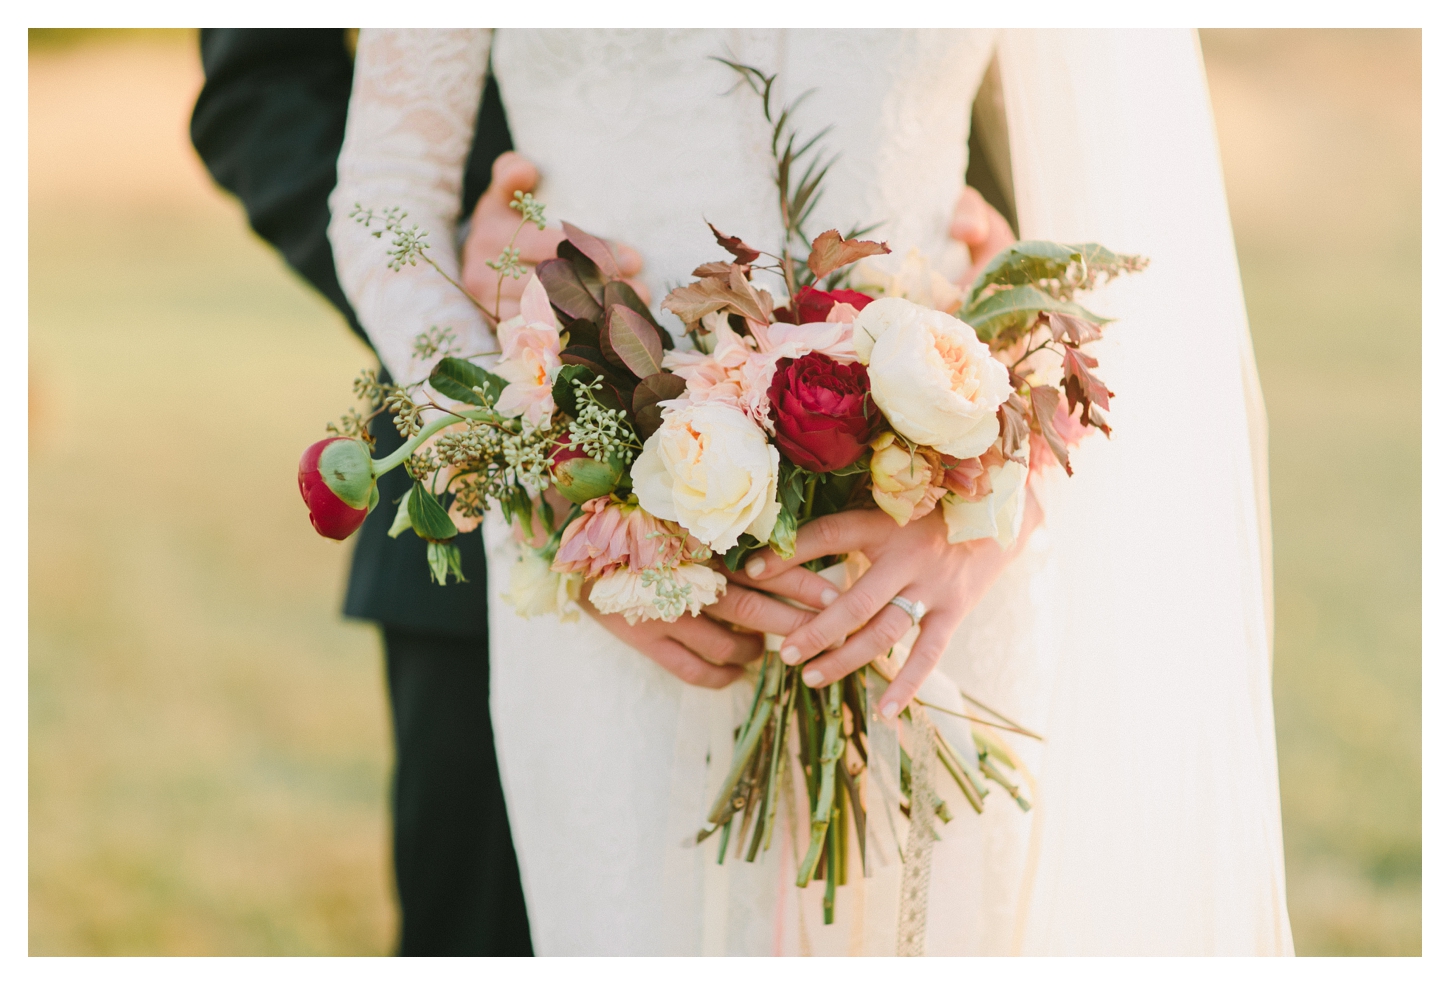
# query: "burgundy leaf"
{"type": "Point", "coordinates": [595, 249]}
{"type": "Point", "coordinates": [567, 291]}
{"type": "Point", "coordinates": [1081, 385]}
{"type": "Point", "coordinates": [733, 244]}
{"type": "Point", "coordinates": [652, 390]}
{"type": "Point", "coordinates": [1044, 406]}
{"type": "Point", "coordinates": [829, 252]}
{"type": "Point", "coordinates": [634, 340]}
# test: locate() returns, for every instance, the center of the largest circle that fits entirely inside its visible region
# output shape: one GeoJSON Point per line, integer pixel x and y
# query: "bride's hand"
{"type": "Point", "coordinates": [981, 228]}
{"type": "Point", "coordinates": [915, 562]}
{"type": "Point", "coordinates": [494, 224]}
{"type": "Point", "coordinates": [698, 649]}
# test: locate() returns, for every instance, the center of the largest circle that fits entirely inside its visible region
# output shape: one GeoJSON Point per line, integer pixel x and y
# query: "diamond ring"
{"type": "Point", "coordinates": [913, 609]}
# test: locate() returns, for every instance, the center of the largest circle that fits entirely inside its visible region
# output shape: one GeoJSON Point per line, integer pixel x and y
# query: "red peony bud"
{"type": "Point", "coordinates": [580, 478]}
{"type": "Point", "coordinates": [335, 477]}
{"type": "Point", "coordinates": [824, 416]}
{"type": "Point", "coordinates": [812, 305]}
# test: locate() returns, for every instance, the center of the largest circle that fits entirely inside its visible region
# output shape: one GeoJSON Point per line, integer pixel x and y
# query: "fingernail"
{"type": "Point", "coordinates": [837, 644]}
{"type": "Point", "coordinates": [829, 595]}
{"type": "Point", "coordinates": [888, 710]}
{"type": "Point", "coordinates": [755, 567]}
{"type": "Point", "coordinates": [812, 678]}
{"type": "Point", "coordinates": [790, 655]}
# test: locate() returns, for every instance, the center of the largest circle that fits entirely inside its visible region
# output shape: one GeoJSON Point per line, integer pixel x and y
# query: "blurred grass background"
{"type": "Point", "coordinates": [209, 745]}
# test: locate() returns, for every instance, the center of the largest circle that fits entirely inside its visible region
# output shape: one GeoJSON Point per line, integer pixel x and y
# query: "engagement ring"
{"type": "Point", "coordinates": [913, 609]}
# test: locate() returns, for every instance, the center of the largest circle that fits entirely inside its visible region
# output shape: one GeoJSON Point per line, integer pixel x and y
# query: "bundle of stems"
{"type": "Point", "coordinates": [831, 728]}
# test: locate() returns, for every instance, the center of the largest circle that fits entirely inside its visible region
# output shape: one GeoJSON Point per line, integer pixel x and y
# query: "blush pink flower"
{"type": "Point", "coordinates": [970, 478]}
{"type": "Point", "coordinates": [832, 337]}
{"type": "Point", "coordinates": [611, 536]}
{"type": "Point", "coordinates": [737, 373]}
{"type": "Point", "coordinates": [530, 350]}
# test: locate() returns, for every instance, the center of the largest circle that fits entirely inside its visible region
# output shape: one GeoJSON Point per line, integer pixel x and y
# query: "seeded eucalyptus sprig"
{"type": "Point", "coordinates": [410, 244]}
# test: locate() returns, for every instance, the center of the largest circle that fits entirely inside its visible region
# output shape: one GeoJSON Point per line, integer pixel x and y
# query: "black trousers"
{"type": "Point", "coordinates": [457, 876]}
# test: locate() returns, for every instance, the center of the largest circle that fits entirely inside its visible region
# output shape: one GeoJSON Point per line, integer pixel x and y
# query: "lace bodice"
{"type": "Point", "coordinates": [640, 137]}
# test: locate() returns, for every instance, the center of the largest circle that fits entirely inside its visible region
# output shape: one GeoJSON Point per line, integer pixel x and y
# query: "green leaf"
{"type": "Point", "coordinates": [735, 557]}
{"type": "Point", "coordinates": [401, 520]}
{"type": "Point", "coordinates": [430, 520]}
{"type": "Point", "coordinates": [445, 560]}
{"type": "Point", "coordinates": [566, 290]}
{"type": "Point", "coordinates": [456, 378]}
{"type": "Point", "coordinates": [1025, 263]}
{"type": "Point", "coordinates": [1007, 313]}
{"type": "Point", "coordinates": [634, 341]}
{"type": "Point", "coordinates": [1034, 260]}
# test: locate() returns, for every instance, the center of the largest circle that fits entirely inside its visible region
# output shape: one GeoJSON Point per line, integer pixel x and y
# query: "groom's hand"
{"type": "Point", "coordinates": [493, 226]}
{"type": "Point", "coordinates": [697, 649]}
{"type": "Point", "coordinates": [981, 228]}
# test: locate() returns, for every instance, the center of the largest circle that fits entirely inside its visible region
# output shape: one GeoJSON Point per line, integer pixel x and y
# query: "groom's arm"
{"type": "Point", "coordinates": [269, 125]}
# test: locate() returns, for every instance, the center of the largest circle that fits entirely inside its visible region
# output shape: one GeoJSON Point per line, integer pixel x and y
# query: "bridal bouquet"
{"type": "Point", "coordinates": [858, 386]}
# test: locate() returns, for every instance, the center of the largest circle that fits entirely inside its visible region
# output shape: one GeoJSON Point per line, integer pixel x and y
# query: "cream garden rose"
{"type": "Point", "coordinates": [935, 381]}
{"type": "Point", "coordinates": [665, 595]}
{"type": "Point", "coordinates": [710, 469]}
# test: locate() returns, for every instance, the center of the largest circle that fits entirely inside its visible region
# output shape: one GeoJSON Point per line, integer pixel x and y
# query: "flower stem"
{"type": "Point", "coordinates": [832, 746]}
{"type": "Point", "coordinates": [390, 462]}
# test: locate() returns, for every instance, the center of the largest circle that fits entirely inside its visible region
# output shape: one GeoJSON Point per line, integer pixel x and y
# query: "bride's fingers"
{"type": "Point", "coordinates": [847, 614]}
{"type": "Point", "coordinates": [715, 643]}
{"type": "Point", "coordinates": [630, 263]}
{"type": "Point", "coordinates": [877, 637]}
{"type": "Point", "coordinates": [687, 666]}
{"type": "Point", "coordinates": [838, 533]}
{"type": "Point", "coordinates": [511, 172]}
{"type": "Point", "coordinates": [926, 653]}
{"type": "Point", "coordinates": [806, 587]}
{"type": "Point", "coordinates": [757, 611]}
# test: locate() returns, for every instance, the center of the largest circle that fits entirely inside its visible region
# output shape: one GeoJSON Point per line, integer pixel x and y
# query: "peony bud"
{"type": "Point", "coordinates": [336, 480]}
{"type": "Point", "coordinates": [580, 478]}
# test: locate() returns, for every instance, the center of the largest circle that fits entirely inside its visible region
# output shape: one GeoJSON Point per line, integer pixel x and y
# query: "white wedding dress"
{"type": "Point", "coordinates": [1134, 629]}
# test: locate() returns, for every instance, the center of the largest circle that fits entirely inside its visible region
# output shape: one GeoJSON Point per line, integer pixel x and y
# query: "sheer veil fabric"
{"type": "Point", "coordinates": [1133, 631]}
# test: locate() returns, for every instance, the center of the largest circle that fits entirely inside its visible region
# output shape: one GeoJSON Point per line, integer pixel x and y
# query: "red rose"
{"type": "Point", "coordinates": [813, 305]}
{"type": "Point", "coordinates": [823, 412]}
{"type": "Point", "coordinates": [335, 477]}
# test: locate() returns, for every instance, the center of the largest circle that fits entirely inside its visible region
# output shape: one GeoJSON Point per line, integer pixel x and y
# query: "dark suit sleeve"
{"type": "Point", "coordinates": [269, 125]}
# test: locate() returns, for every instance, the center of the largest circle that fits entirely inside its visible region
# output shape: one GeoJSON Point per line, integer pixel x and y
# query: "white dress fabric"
{"type": "Point", "coordinates": [1132, 630]}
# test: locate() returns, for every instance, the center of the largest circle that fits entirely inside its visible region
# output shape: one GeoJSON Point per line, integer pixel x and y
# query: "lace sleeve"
{"type": "Point", "coordinates": [409, 127]}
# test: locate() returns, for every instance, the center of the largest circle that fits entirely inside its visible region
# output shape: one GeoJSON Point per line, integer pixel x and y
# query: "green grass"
{"type": "Point", "coordinates": [1321, 147]}
{"type": "Point", "coordinates": [208, 738]}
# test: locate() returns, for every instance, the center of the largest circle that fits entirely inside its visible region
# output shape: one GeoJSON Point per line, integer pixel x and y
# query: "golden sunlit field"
{"type": "Point", "coordinates": [208, 739]}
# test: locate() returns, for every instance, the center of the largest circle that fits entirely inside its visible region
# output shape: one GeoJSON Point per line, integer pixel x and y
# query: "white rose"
{"type": "Point", "coordinates": [710, 469]}
{"type": "Point", "coordinates": [535, 590]}
{"type": "Point", "coordinates": [997, 515]}
{"type": "Point", "coordinates": [935, 381]}
{"type": "Point", "coordinates": [651, 595]}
